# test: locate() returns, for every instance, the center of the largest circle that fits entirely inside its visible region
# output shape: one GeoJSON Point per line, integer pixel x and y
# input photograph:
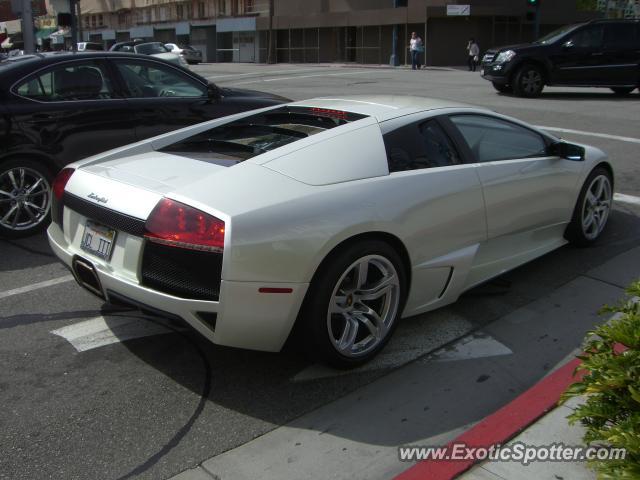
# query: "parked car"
{"type": "Point", "coordinates": [56, 108]}
{"type": "Point", "coordinates": [82, 46]}
{"type": "Point", "coordinates": [603, 53]}
{"type": "Point", "coordinates": [154, 49]}
{"type": "Point", "coordinates": [190, 54]}
{"type": "Point", "coordinates": [329, 218]}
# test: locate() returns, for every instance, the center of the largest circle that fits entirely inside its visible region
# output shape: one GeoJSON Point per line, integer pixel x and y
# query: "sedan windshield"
{"type": "Point", "coordinates": [150, 48]}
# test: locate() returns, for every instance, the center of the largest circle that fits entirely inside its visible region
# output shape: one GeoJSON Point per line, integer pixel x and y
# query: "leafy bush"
{"type": "Point", "coordinates": [611, 385]}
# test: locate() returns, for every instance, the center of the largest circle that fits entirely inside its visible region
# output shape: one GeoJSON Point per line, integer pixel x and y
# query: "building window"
{"type": "Point", "coordinates": [100, 20]}
{"type": "Point", "coordinates": [201, 12]}
{"type": "Point", "coordinates": [179, 12]}
{"type": "Point", "coordinates": [222, 7]}
{"type": "Point", "coordinates": [93, 21]}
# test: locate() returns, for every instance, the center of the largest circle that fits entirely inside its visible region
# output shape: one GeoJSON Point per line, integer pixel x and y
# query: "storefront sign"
{"type": "Point", "coordinates": [458, 10]}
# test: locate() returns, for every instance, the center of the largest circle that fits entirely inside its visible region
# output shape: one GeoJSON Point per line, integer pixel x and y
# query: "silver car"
{"type": "Point", "coordinates": [190, 54]}
{"type": "Point", "coordinates": [327, 220]}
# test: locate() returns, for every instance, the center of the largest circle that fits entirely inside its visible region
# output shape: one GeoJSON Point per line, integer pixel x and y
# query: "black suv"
{"type": "Point", "coordinates": [601, 53]}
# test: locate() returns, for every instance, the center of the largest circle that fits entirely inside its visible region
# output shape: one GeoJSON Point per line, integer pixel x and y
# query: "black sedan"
{"type": "Point", "coordinates": [61, 107]}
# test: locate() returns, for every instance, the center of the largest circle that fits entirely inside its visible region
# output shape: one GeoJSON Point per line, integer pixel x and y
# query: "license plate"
{"type": "Point", "coordinates": [98, 240]}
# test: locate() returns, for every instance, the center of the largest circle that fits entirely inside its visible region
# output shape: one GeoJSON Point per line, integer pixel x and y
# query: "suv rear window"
{"type": "Point", "coordinates": [248, 137]}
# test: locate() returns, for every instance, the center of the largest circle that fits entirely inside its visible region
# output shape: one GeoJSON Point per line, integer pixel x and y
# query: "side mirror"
{"type": "Point", "coordinates": [213, 92]}
{"type": "Point", "coordinates": [567, 151]}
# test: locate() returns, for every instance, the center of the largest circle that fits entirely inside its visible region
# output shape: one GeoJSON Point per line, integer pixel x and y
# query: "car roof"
{"type": "Point", "coordinates": [382, 107]}
{"type": "Point", "coordinates": [25, 64]}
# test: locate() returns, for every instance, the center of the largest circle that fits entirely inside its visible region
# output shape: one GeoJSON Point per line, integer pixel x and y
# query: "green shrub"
{"type": "Point", "coordinates": [611, 385]}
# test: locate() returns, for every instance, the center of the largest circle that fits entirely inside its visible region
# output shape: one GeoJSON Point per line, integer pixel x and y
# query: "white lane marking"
{"type": "Point", "coordinates": [591, 134]}
{"type": "Point", "coordinates": [284, 72]}
{"type": "Point", "coordinates": [473, 346]}
{"type": "Point", "coordinates": [101, 331]}
{"type": "Point", "coordinates": [301, 77]}
{"type": "Point", "coordinates": [414, 338]}
{"type": "Point", "coordinates": [36, 286]}
{"type": "Point", "coordinates": [623, 198]}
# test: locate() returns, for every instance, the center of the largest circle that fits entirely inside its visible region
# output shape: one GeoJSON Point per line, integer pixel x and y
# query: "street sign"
{"type": "Point", "coordinates": [458, 10]}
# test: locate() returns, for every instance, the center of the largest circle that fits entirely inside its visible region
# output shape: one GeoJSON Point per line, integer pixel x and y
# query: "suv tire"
{"type": "Point", "coordinates": [528, 81]}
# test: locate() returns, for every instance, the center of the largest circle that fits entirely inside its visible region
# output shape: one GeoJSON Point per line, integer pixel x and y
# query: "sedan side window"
{"type": "Point", "coordinates": [492, 139]}
{"type": "Point", "coordinates": [149, 80]}
{"type": "Point", "coordinates": [419, 145]}
{"type": "Point", "coordinates": [69, 82]}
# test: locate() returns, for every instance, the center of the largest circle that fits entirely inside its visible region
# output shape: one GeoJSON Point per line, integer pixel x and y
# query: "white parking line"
{"type": "Point", "coordinates": [301, 77]}
{"type": "Point", "coordinates": [624, 198]}
{"type": "Point", "coordinates": [101, 331]}
{"type": "Point", "coordinates": [35, 286]}
{"type": "Point", "coordinates": [591, 134]}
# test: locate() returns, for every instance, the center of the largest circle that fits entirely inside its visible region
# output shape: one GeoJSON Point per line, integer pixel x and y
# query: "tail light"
{"type": "Point", "coordinates": [178, 225]}
{"type": "Point", "coordinates": [61, 181]}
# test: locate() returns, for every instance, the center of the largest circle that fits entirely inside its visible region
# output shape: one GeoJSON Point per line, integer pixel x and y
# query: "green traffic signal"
{"type": "Point", "coordinates": [533, 3]}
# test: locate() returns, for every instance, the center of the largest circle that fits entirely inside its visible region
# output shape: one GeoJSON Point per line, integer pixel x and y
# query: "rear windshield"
{"type": "Point", "coordinates": [248, 137]}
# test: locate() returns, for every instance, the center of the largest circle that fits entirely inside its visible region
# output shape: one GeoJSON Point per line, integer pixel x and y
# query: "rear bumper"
{"type": "Point", "coordinates": [244, 317]}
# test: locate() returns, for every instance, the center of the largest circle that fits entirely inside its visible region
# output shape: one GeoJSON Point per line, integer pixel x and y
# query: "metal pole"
{"type": "Point", "coordinates": [28, 37]}
{"type": "Point", "coordinates": [74, 25]}
{"type": "Point", "coordinates": [536, 30]}
{"type": "Point", "coordinates": [394, 61]}
{"type": "Point", "coordinates": [270, 56]}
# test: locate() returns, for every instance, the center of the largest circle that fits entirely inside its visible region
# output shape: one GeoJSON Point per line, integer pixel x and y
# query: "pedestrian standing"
{"type": "Point", "coordinates": [473, 51]}
{"type": "Point", "coordinates": [416, 47]}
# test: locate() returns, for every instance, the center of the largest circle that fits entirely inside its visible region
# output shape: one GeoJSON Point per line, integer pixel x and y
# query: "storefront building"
{"type": "Point", "coordinates": [319, 31]}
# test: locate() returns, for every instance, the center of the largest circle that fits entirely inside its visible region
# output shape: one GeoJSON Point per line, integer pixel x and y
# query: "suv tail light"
{"type": "Point", "coordinates": [178, 225]}
{"type": "Point", "coordinates": [61, 181]}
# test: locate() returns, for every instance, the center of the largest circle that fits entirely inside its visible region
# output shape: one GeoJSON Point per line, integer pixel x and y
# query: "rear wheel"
{"type": "Point", "coordinates": [25, 197]}
{"type": "Point", "coordinates": [502, 88]}
{"type": "Point", "coordinates": [622, 90]}
{"type": "Point", "coordinates": [354, 304]}
{"type": "Point", "coordinates": [528, 81]}
{"type": "Point", "coordinates": [592, 209]}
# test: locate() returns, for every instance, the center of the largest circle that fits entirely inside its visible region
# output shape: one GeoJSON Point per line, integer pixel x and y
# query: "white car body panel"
{"type": "Point", "coordinates": [285, 211]}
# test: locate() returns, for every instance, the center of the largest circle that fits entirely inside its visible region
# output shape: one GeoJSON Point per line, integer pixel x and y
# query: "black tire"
{"type": "Point", "coordinates": [31, 208]}
{"type": "Point", "coordinates": [528, 81]}
{"type": "Point", "coordinates": [575, 232]}
{"type": "Point", "coordinates": [622, 90]}
{"type": "Point", "coordinates": [502, 88]}
{"type": "Point", "coordinates": [319, 329]}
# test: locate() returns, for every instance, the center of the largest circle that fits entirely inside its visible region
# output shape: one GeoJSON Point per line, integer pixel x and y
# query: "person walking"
{"type": "Point", "coordinates": [473, 51]}
{"type": "Point", "coordinates": [416, 47]}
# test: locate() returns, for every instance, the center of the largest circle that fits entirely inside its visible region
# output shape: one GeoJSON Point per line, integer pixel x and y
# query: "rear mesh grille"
{"type": "Point", "coordinates": [180, 272]}
{"type": "Point", "coordinates": [105, 216]}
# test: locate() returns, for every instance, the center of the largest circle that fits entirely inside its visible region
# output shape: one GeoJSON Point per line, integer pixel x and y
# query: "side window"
{"type": "Point", "coordinates": [588, 37]}
{"type": "Point", "coordinates": [68, 82]}
{"type": "Point", "coordinates": [148, 80]}
{"type": "Point", "coordinates": [492, 139]}
{"type": "Point", "coordinates": [419, 145]}
{"type": "Point", "coordinates": [623, 35]}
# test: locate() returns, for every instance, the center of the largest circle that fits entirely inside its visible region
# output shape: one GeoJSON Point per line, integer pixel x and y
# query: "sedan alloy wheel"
{"type": "Point", "coordinates": [25, 197]}
{"type": "Point", "coordinates": [597, 203]}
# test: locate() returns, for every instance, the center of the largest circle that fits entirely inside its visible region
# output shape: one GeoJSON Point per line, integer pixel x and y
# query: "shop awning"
{"type": "Point", "coordinates": [45, 33]}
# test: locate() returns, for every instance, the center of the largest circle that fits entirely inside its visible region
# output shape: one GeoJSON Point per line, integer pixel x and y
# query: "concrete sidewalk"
{"type": "Point", "coordinates": [550, 429]}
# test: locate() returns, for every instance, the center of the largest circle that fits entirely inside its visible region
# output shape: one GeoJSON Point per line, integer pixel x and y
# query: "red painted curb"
{"type": "Point", "coordinates": [500, 426]}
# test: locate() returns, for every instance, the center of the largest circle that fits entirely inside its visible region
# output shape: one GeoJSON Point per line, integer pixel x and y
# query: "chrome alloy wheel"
{"type": "Point", "coordinates": [24, 198]}
{"type": "Point", "coordinates": [363, 306]}
{"type": "Point", "coordinates": [597, 204]}
{"type": "Point", "coordinates": [531, 82]}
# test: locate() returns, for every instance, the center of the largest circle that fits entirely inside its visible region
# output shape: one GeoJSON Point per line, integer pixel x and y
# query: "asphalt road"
{"type": "Point", "coordinates": [154, 406]}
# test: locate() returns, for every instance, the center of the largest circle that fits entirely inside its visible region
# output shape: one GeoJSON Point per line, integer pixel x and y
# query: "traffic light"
{"type": "Point", "coordinates": [533, 3]}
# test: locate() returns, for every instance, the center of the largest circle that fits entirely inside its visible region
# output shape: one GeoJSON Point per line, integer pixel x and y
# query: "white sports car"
{"type": "Point", "coordinates": [337, 216]}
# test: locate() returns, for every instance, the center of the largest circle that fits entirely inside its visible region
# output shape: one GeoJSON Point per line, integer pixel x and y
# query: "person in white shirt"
{"type": "Point", "coordinates": [416, 47]}
{"type": "Point", "coordinates": [473, 51]}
